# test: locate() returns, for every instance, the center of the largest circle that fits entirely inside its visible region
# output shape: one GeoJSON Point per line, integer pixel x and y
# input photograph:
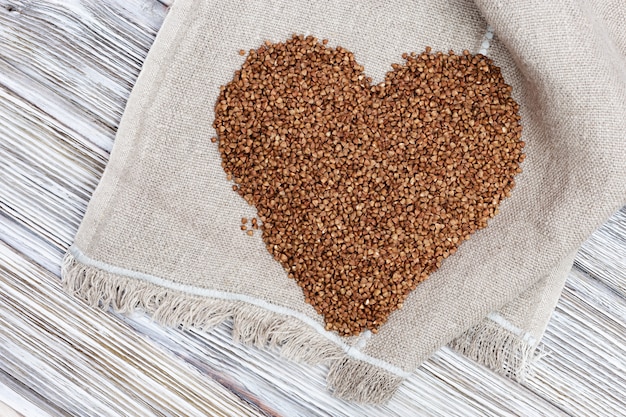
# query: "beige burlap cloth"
{"type": "Point", "coordinates": [158, 232]}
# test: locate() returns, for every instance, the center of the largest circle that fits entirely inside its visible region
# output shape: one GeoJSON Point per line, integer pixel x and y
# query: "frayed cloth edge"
{"type": "Point", "coordinates": [348, 378]}
{"type": "Point", "coordinates": [500, 349]}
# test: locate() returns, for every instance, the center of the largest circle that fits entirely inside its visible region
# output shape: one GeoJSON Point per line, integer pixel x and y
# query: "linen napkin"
{"type": "Point", "coordinates": [161, 233]}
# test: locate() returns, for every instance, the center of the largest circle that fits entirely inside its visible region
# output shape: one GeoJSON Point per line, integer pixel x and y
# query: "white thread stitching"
{"type": "Point", "coordinates": [486, 42]}
{"type": "Point", "coordinates": [205, 292]}
{"type": "Point", "coordinates": [362, 340]}
{"type": "Point", "coordinates": [507, 325]}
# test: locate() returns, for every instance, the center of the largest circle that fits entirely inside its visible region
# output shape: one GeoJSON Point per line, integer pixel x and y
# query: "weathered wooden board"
{"type": "Point", "coordinates": [66, 70]}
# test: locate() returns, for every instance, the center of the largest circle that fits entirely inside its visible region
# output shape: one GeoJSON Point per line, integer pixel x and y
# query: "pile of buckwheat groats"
{"type": "Point", "coordinates": [363, 190]}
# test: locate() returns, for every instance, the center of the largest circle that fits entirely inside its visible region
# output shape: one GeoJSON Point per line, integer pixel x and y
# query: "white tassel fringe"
{"type": "Point", "coordinates": [499, 349]}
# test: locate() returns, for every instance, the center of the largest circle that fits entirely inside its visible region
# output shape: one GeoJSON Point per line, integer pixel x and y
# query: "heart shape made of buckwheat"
{"type": "Point", "coordinates": [363, 190]}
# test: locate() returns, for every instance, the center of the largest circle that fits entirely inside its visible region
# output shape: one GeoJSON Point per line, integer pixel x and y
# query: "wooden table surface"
{"type": "Point", "coordinates": [66, 70]}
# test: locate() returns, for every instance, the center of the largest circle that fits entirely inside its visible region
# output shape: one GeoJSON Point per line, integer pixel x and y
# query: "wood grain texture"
{"type": "Point", "coordinates": [19, 404]}
{"type": "Point", "coordinates": [66, 70]}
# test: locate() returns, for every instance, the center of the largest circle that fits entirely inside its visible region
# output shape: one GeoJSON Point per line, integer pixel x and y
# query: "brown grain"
{"type": "Point", "coordinates": [363, 190]}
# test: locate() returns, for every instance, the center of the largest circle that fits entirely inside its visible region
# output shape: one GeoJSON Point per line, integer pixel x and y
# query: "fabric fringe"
{"type": "Point", "coordinates": [252, 325]}
{"type": "Point", "coordinates": [354, 380]}
{"type": "Point", "coordinates": [350, 379]}
{"type": "Point", "coordinates": [499, 349]}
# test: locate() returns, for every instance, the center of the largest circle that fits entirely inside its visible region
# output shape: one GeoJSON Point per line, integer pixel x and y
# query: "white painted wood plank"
{"type": "Point", "coordinates": [603, 256]}
{"type": "Point", "coordinates": [7, 411]}
{"type": "Point", "coordinates": [85, 363]}
{"type": "Point", "coordinates": [49, 167]}
{"type": "Point", "coordinates": [11, 401]}
{"type": "Point", "coordinates": [585, 370]}
{"type": "Point", "coordinates": [88, 53]}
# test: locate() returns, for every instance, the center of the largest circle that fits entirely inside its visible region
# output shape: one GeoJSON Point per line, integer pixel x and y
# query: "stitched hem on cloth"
{"type": "Point", "coordinates": [255, 322]}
